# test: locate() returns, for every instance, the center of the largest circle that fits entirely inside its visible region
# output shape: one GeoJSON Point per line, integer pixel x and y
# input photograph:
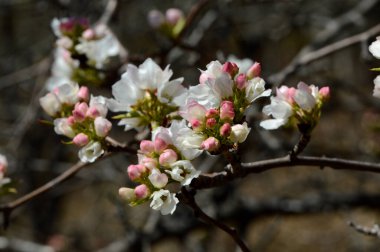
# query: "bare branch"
{"type": "Point", "coordinates": [188, 199]}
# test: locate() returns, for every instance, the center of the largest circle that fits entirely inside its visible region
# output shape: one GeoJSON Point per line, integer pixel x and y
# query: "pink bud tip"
{"type": "Point", "coordinates": [241, 81]}
{"type": "Point", "coordinates": [168, 157]}
{"type": "Point", "coordinates": [254, 70]}
{"type": "Point", "coordinates": [231, 68]}
{"type": "Point", "coordinates": [210, 144]}
{"type": "Point", "coordinates": [159, 144]}
{"type": "Point", "coordinates": [81, 139]}
{"type": "Point", "coordinates": [146, 146]}
{"type": "Point", "coordinates": [92, 112]}
{"type": "Point", "coordinates": [135, 171]}
{"type": "Point", "coordinates": [88, 34]}
{"type": "Point", "coordinates": [195, 123]}
{"type": "Point", "coordinates": [225, 130]}
{"type": "Point", "coordinates": [227, 110]}
{"type": "Point", "coordinates": [141, 191]}
{"type": "Point", "coordinates": [212, 113]}
{"type": "Point", "coordinates": [71, 120]}
{"type": "Point", "coordinates": [173, 15]}
{"type": "Point", "coordinates": [80, 111]}
{"type": "Point", "coordinates": [102, 126]}
{"type": "Point", "coordinates": [325, 92]}
{"type": "Point", "coordinates": [210, 122]}
{"type": "Point", "coordinates": [84, 93]}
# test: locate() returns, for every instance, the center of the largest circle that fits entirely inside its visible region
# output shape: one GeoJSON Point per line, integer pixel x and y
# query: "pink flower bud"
{"type": "Point", "coordinates": [80, 111]}
{"type": "Point", "coordinates": [156, 18]}
{"type": "Point", "coordinates": [149, 163]}
{"type": "Point", "coordinates": [141, 191]}
{"type": "Point", "coordinates": [84, 93]}
{"type": "Point", "coordinates": [127, 194]}
{"type": "Point", "coordinates": [159, 144]}
{"type": "Point", "coordinates": [81, 139]}
{"type": "Point", "coordinates": [212, 113]}
{"type": "Point", "coordinates": [241, 81]}
{"type": "Point", "coordinates": [173, 15]}
{"type": "Point", "coordinates": [3, 165]}
{"type": "Point", "coordinates": [225, 130]}
{"type": "Point", "coordinates": [210, 144]}
{"type": "Point", "coordinates": [168, 157]}
{"type": "Point", "coordinates": [92, 112]}
{"type": "Point", "coordinates": [210, 122]}
{"type": "Point", "coordinates": [102, 126]}
{"type": "Point", "coordinates": [146, 146]}
{"type": "Point", "coordinates": [135, 171]}
{"type": "Point", "coordinates": [324, 92]}
{"type": "Point", "coordinates": [70, 120]}
{"type": "Point", "coordinates": [254, 70]}
{"type": "Point", "coordinates": [227, 110]}
{"type": "Point", "coordinates": [231, 68]}
{"type": "Point", "coordinates": [88, 34]}
{"type": "Point", "coordinates": [195, 123]}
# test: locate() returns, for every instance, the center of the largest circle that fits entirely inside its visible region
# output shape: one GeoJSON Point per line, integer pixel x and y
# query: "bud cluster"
{"type": "Point", "coordinates": [301, 106]}
{"type": "Point", "coordinates": [79, 118]}
{"type": "Point", "coordinates": [215, 108]}
{"type": "Point", "coordinates": [160, 163]}
{"type": "Point", "coordinates": [83, 52]}
{"type": "Point", "coordinates": [170, 24]}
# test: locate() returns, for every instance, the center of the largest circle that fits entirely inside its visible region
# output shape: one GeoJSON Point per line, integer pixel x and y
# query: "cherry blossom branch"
{"type": "Point", "coordinates": [221, 178]}
{"type": "Point", "coordinates": [373, 231]}
{"type": "Point", "coordinates": [188, 199]}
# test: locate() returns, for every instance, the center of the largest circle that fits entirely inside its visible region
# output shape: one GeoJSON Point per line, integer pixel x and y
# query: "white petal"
{"type": "Point", "coordinates": [374, 48]}
{"type": "Point", "coordinates": [272, 124]}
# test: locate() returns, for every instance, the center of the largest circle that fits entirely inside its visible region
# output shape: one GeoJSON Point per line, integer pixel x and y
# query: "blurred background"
{"type": "Point", "coordinates": [290, 209]}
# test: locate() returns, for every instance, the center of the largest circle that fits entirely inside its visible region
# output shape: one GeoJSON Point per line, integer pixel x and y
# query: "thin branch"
{"type": "Point", "coordinates": [221, 178]}
{"type": "Point", "coordinates": [108, 12]}
{"type": "Point", "coordinates": [188, 199]}
{"type": "Point", "coordinates": [373, 231]}
{"type": "Point", "coordinates": [305, 57]}
{"type": "Point", "coordinates": [300, 146]}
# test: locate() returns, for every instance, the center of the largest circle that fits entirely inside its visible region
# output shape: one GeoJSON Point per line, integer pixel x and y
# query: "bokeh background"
{"type": "Point", "coordinates": [290, 209]}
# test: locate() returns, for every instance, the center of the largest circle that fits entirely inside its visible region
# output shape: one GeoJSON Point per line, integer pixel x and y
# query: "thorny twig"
{"type": "Point", "coordinates": [188, 199]}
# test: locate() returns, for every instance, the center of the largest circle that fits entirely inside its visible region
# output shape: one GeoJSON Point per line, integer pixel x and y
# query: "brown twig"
{"type": "Point", "coordinates": [300, 146]}
{"type": "Point", "coordinates": [221, 178]}
{"type": "Point", "coordinates": [188, 198]}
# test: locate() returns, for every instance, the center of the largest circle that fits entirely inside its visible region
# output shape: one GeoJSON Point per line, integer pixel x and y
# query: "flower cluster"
{"type": "Point", "coordinates": [170, 24]}
{"type": "Point", "coordinates": [147, 96]}
{"type": "Point", "coordinates": [161, 162]}
{"type": "Point", "coordinates": [374, 48]}
{"type": "Point", "coordinates": [301, 105]}
{"type": "Point", "coordinates": [79, 117]}
{"type": "Point", "coordinates": [6, 185]}
{"type": "Point", "coordinates": [215, 108]}
{"type": "Point", "coordinates": [83, 53]}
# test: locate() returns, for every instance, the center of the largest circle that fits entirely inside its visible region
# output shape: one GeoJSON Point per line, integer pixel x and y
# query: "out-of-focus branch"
{"type": "Point", "coordinates": [306, 55]}
{"type": "Point", "coordinates": [221, 178]}
{"type": "Point", "coordinates": [371, 231]}
{"type": "Point", "coordinates": [188, 198]}
{"type": "Point", "coordinates": [109, 10]}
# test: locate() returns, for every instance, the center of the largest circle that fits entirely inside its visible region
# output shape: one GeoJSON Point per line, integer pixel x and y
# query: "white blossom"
{"type": "Point", "coordinates": [183, 171]}
{"type": "Point", "coordinates": [256, 89]}
{"type": "Point", "coordinates": [239, 132]}
{"type": "Point", "coordinates": [164, 201]}
{"type": "Point", "coordinates": [305, 96]}
{"type": "Point", "coordinates": [376, 90]}
{"type": "Point", "coordinates": [374, 48]}
{"type": "Point", "coordinates": [50, 104]}
{"type": "Point", "coordinates": [62, 127]}
{"type": "Point", "coordinates": [90, 152]}
{"type": "Point", "coordinates": [158, 179]}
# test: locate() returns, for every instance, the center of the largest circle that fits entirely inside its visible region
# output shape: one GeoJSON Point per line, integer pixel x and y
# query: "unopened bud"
{"type": "Point", "coordinates": [225, 130]}
{"type": "Point", "coordinates": [81, 139]}
{"type": "Point", "coordinates": [80, 111]}
{"type": "Point", "coordinates": [210, 122]}
{"type": "Point", "coordinates": [241, 81]}
{"type": "Point", "coordinates": [141, 191]}
{"type": "Point", "coordinates": [231, 68]}
{"type": "Point", "coordinates": [210, 144]}
{"type": "Point", "coordinates": [127, 194]}
{"type": "Point", "coordinates": [158, 179]}
{"type": "Point", "coordinates": [324, 92]}
{"type": "Point", "coordinates": [173, 15]}
{"type": "Point", "coordinates": [88, 34]}
{"type": "Point", "coordinates": [84, 94]}
{"type": "Point", "coordinates": [227, 110]}
{"type": "Point", "coordinates": [212, 113]}
{"type": "Point", "coordinates": [254, 70]}
{"type": "Point", "coordinates": [168, 157]}
{"type": "Point", "coordinates": [159, 144]}
{"type": "Point", "coordinates": [135, 171]}
{"type": "Point", "coordinates": [102, 126]}
{"type": "Point", "coordinates": [146, 146]}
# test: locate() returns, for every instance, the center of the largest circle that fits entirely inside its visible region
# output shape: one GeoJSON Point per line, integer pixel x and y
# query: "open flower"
{"type": "Point", "coordinates": [90, 152]}
{"type": "Point", "coordinates": [146, 95]}
{"type": "Point", "coordinates": [164, 201]}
